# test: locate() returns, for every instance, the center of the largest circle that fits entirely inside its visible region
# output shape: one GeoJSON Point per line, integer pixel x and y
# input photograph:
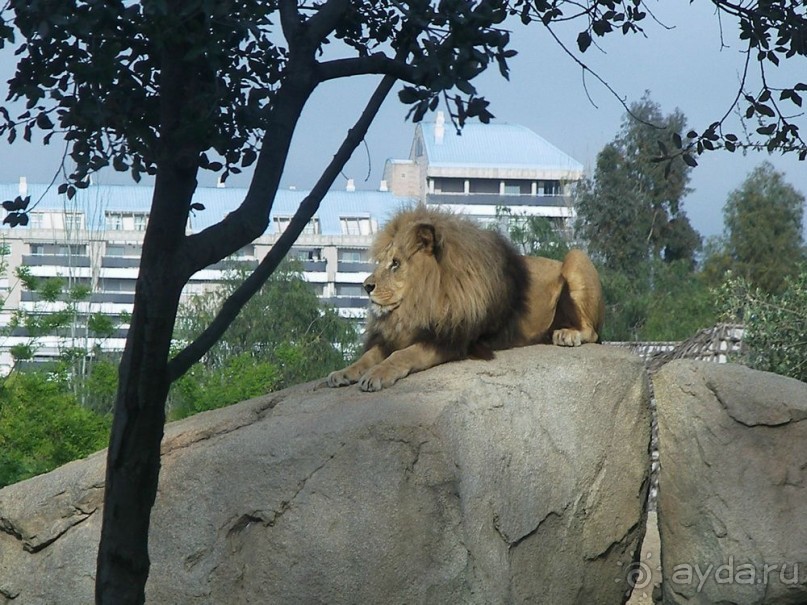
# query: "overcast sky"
{"type": "Point", "coordinates": [683, 67]}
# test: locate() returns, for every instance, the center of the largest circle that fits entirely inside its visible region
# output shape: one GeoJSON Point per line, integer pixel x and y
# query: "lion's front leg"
{"type": "Point", "coordinates": [354, 371]}
{"type": "Point", "coordinates": [413, 358]}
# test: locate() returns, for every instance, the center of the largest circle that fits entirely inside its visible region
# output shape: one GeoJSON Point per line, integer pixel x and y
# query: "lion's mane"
{"type": "Point", "coordinates": [466, 285]}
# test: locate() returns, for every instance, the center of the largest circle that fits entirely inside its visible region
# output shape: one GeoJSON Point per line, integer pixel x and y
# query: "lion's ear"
{"type": "Point", "coordinates": [426, 238]}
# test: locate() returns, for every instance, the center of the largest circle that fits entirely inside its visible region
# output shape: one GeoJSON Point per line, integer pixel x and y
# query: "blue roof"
{"type": "Point", "coordinates": [498, 144]}
{"type": "Point", "coordinates": [95, 200]}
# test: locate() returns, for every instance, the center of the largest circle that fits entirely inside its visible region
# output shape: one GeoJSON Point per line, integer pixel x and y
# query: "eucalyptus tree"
{"type": "Point", "coordinates": [630, 211]}
{"type": "Point", "coordinates": [764, 222]}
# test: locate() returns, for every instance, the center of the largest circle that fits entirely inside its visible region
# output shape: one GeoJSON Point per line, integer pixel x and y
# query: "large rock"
{"type": "Point", "coordinates": [520, 480]}
{"type": "Point", "coordinates": [733, 485]}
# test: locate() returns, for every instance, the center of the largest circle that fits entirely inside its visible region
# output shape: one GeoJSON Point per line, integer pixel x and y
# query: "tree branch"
{"type": "Point", "coordinates": [250, 219]}
{"type": "Point", "coordinates": [323, 22]}
{"type": "Point", "coordinates": [289, 19]}
{"type": "Point", "coordinates": [192, 353]}
{"type": "Point", "coordinates": [377, 63]}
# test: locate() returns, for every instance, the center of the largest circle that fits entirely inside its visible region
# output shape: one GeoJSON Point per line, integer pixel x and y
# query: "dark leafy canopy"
{"type": "Point", "coordinates": [92, 70]}
{"type": "Point", "coordinates": [764, 223]}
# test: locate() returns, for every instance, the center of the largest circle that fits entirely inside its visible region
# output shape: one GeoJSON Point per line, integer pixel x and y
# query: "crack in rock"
{"type": "Point", "coordinates": [269, 520]}
{"type": "Point", "coordinates": [32, 543]}
{"type": "Point", "coordinates": [513, 543]}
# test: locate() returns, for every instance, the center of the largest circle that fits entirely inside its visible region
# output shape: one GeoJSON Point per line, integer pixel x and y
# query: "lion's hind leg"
{"type": "Point", "coordinates": [580, 309]}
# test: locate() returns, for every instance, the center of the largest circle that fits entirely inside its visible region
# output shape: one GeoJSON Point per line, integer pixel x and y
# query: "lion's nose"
{"type": "Point", "coordinates": [369, 287]}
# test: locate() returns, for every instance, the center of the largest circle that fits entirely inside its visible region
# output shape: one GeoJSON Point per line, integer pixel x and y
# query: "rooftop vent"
{"type": "Point", "coordinates": [351, 185]}
{"type": "Point", "coordinates": [439, 128]}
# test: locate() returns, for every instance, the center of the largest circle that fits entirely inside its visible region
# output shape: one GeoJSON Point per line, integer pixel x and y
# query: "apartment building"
{"type": "Point", "coordinates": [95, 239]}
{"type": "Point", "coordinates": [485, 167]}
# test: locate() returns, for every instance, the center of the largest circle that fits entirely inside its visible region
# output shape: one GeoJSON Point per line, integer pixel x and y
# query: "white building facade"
{"type": "Point", "coordinates": [95, 240]}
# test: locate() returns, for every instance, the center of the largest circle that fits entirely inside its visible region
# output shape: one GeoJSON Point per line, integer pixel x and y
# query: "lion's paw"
{"type": "Point", "coordinates": [567, 338]}
{"type": "Point", "coordinates": [339, 378]}
{"type": "Point", "coordinates": [376, 379]}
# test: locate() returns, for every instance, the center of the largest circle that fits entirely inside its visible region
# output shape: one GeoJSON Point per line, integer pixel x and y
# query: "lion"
{"type": "Point", "coordinates": [446, 289]}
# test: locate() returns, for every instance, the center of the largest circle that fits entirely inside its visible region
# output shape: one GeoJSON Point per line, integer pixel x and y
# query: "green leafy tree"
{"type": "Point", "coordinates": [58, 313]}
{"type": "Point", "coordinates": [239, 378]}
{"type": "Point", "coordinates": [679, 304]}
{"type": "Point", "coordinates": [673, 305]}
{"type": "Point", "coordinates": [631, 218]}
{"type": "Point", "coordinates": [630, 212]}
{"type": "Point", "coordinates": [284, 335]}
{"type": "Point", "coordinates": [533, 235]}
{"type": "Point", "coordinates": [42, 426]}
{"type": "Point", "coordinates": [775, 338]}
{"type": "Point", "coordinates": [169, 87]}
{"type": "Point", "coordinates": [763, 229]}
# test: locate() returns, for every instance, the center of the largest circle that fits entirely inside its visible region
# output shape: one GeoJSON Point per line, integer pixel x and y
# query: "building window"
{"type": "Point", "coordinates": [484, 186]}
{"type": "Point", "coordinates": [318, 289]}
{"type": "Point", "coordinates": [549, 188]}
{"type": "Point", "coordinates": [350, 290]}
{"type": "Point", "coordinates": [352, 255]}
{"type": "Point", "coordinates": [305, 254]}
{"type": "Point", "coordinates": [73, 221]}
{"type": "Point", "coordinates": [282, 222]}
{"type": "Point", "coordinates": [36, 220]}
{"type": "Point", "coordinates": [118, 285]}
{"type": "Point", "coordinates": [58, 249]}
{"type": "Point", "coordinates": [355, 225]}
{"type": "Point", "coordinates": [126, 221]}
{"type": "Point", "coordinates": [446, 185]}
{"type": "Point", "coordinates": [114, 222]}
{"type": "Point", "coordinates": [247, 251]}
{"type": "Point", "coordinates": [124, 250]}
{"type": "Point", "coordinates": [517, 187]}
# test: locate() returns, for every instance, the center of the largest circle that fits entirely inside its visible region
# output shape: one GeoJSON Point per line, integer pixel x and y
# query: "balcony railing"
{"type": "Point", "coordinates": [344, 266]}
{"type": "Point", "coordinates": [120, 262]}
{"type": "Point", "coordinates": [55, 260]}
{"type": "Point", "coordinates": [121, 298]}
{"type": "Point", "coordinates": [345, 301]}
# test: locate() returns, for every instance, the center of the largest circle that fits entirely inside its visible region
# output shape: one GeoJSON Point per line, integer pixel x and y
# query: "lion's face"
{"type": "Point", "coordinates": [400, 264]}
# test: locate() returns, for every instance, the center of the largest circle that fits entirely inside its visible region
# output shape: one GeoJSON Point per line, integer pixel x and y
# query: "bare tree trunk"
{"type": "Point", "coordinates": [169, 259]}
{"type": "Point", "coordinates": [133, 460]}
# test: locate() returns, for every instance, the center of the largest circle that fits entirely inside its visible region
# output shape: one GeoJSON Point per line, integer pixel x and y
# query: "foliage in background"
{"type": "Point", "coordinates": [54, 412]}
{"type": "Point", "coordinates": [631, 220]}
{"type": "Point", "coordinates": [533, 235]}
{"type": "Point", "coordinates": [669, 303]}
{"type": "Point", "coordinates": [630, 211]}
{"type": "Point", "coordinates": [763, 240]}
{"type": "Point", "coordinates": [775, 338]}
{"type": "Point", "coordinates": [42, 426]}
{"type": "Point", "coordinates": [283, 336]}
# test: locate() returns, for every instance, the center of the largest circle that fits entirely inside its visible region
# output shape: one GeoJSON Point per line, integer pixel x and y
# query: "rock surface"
{"type": "Point", "coordinates": [733, 485]}
{"type": "Point", "coordinates": [520, 480]}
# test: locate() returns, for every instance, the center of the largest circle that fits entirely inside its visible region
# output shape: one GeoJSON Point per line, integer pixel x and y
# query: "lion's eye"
{"type": "Point", "coordinates": [394, 264]}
